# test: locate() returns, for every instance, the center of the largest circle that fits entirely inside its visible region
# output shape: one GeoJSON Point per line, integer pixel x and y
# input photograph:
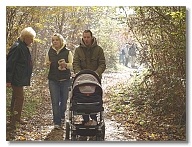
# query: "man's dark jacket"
{"type": "Point", "coordinates": [19, 64]}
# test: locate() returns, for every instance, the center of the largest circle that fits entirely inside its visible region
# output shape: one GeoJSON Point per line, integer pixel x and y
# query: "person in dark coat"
{"type": "Point", "coordinates": [18, 73]}
{"type": "Point", "coordinates": [132, 54]}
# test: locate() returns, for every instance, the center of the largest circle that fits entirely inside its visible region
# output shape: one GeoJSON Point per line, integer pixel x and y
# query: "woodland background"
{"type": "Point", "coordinates": [159, 32]}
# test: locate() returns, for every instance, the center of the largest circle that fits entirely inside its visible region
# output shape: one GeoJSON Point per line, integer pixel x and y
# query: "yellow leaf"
{"type": "Point", "coordinates": [22, 138]}
{"type": "Point", "coordinates": [152, 135]}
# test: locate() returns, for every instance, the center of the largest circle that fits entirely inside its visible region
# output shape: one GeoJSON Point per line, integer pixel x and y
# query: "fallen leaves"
{"type": "Point", "coordinates": [137, 116]}
{"type": "Point", "coordinates": [127, 117]}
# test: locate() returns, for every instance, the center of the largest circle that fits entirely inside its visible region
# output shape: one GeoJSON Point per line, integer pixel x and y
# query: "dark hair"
{"type": "Point", "coordinates": [87, 31]}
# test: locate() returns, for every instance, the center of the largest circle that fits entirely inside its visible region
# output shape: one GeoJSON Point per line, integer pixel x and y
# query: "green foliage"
{"type": "Point", "coordinates": [161, 33]}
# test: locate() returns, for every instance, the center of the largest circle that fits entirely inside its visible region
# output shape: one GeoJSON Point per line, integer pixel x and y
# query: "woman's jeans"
{"type": "Point", "coordinates": [59, 91]}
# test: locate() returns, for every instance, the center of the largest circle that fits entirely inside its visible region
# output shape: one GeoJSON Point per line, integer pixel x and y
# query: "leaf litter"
{"type": "Point", "coordinates": [126, 119]}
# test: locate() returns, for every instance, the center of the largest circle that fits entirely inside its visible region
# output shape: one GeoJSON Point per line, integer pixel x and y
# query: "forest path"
{"type": "Point", "coordinates": [40, 126]}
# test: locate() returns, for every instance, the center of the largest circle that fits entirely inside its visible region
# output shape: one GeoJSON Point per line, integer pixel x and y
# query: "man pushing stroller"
{"type": "Point", "coordinates": [90, 56]}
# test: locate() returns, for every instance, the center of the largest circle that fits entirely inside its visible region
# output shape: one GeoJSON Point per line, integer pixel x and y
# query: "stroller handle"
{"type": "Point", "coordinates": [86, 71]}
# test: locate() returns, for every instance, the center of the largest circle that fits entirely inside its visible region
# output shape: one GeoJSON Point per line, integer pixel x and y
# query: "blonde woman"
{"type": "Point", "coordinates": [18, 73]}
{"type": "Point", "coordinates": [59, 61]}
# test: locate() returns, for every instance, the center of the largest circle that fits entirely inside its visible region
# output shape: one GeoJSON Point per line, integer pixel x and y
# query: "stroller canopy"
{"type": "Point", "coordinates": [86, 92]}
{"type": "Point", "coordinates": [85, 80]}
{"type": "Point", "coordinates": [90, 72]}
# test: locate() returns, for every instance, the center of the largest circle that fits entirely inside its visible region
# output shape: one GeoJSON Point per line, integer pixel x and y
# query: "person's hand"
{"type": "Point", "coordinates": [8, 85]}
{"type": "Point", "coordinates": [62, 64]}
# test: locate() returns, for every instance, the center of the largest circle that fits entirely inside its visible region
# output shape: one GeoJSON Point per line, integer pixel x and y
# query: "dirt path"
{"type": "Point", "coordinates": [40, 127]}
{"type": "Point", "coordinates": [114, 131]}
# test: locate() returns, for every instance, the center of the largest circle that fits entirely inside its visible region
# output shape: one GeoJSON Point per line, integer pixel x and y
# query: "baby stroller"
{"type": "Point", "coordinates": [85, 99]}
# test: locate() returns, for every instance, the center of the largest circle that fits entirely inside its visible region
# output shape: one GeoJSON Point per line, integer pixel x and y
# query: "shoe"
{"type": "Point", "coordinates": [62, 122]}
{"type": "Point", "coordinates": [83, 122]}
{"type": "Point", "coordinates": [88, 123]}
{"type": "Point", "coordinates": [94, 123]}
{"type": "Point", "coordinates": [83, 138]}
{"type": "Point", "coordinates": [57, 127]}
{"type": "Point", "coordinates": [91, 123]}
{"type": "Point", "coordinates": [92, 138]}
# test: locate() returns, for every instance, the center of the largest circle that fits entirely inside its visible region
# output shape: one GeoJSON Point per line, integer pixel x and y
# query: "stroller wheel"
{"type": "Point", "coordinates": [67, 131]}
{"type": "Point", "coordinates": [103, 132]}
{"type": "Point", "coordinates": [98, 138]}
{"type": "Point", "coordinates": [74, 138]}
